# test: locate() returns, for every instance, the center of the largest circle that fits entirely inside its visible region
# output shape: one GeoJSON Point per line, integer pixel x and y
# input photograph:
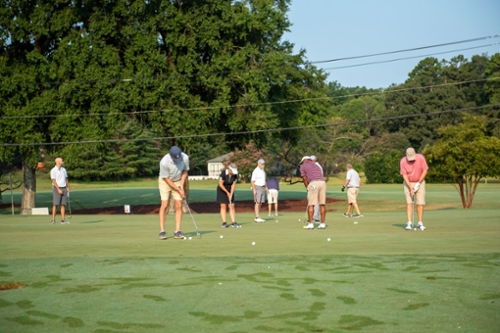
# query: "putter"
{"type": "Point", "coordinates": [69, 206]}
{"type": "Point", "coordinates": [413, 211]}
{"type": "Point", "coordinates": [189, 210]}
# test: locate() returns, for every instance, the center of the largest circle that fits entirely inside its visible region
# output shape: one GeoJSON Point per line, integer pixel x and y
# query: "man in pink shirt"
{"type": "Point", "coordinates": [414, 168]}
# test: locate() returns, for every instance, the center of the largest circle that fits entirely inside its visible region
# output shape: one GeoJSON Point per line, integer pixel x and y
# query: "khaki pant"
{"type": "Point", "coordinates": [419, 196]}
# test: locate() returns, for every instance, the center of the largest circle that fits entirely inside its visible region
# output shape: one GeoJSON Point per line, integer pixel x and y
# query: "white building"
{"type": "Point", "coordinates": [216, 165]}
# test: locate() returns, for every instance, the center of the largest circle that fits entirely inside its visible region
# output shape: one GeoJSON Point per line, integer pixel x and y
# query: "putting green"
{"type": "Point", "coordinates": [110, 273]}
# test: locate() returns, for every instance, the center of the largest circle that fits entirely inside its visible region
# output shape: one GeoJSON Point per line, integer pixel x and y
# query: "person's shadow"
{"type": "Point", "coordinates": [397, 225]}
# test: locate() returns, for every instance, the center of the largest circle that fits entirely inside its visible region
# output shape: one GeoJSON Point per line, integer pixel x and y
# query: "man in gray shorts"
{"type": "Point", "coordinates": [60, 190]}
{"type": "Point", "coordinates": [259, 188]}
{"type": "Point", "coordinates": [174, 169]}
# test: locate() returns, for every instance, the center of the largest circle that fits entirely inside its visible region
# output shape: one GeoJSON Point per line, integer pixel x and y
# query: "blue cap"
{"type": "Point", "coordinates": [175, 153]}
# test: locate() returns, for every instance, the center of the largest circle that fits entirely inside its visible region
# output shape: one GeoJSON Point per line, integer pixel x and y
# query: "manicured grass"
{"type": "Point", "coordinates": [110, 273]}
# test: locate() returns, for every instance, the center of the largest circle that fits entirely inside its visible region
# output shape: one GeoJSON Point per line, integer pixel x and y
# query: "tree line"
{"type": "Point", "coordinates": [111, 85]}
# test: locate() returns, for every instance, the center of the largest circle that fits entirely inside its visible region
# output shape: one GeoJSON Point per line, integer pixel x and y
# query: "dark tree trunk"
{"type": "Point", "coordinates": [29, 189]}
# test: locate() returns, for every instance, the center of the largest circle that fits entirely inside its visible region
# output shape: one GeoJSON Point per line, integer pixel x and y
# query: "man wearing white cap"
{"type": "Point", "coordinates": [413, 167]}
{"type": "Point", "coordinates": [174, 168]}
{"type": "Point", "coordinates": [316, 190]}
{"type": "Point", "coordinates": [317, 213]}
{"type": "Point", "coordinates": [259, 188]}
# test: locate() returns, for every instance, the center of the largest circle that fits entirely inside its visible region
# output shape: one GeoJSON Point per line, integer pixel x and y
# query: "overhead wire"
{"type": "Point", "coordinates": [163, 77]}
{"type": "Point", "coordinates": [268, 130]}
{"type": "Point", "coordinates": [204, 108]}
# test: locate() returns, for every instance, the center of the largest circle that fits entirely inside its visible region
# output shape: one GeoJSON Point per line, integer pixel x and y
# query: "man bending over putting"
{"type": "Point", "coordinates": [174, 169]}
{"type": "Point", "coordinates": [316, 190]}
{"type": "Point", "coordinates": [414, 168]}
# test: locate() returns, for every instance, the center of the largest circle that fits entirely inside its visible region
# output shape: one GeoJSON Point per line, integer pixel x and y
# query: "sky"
{"type": "Point", "coordinates": [332, 29]}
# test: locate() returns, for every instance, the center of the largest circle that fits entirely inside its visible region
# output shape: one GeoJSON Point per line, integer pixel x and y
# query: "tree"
{"type": "Point", "coordinates": [463, 155]}
{"type": "Point", "coordinates": [383, 167]}
{"type": "Point", "coordinates": [78, 71]}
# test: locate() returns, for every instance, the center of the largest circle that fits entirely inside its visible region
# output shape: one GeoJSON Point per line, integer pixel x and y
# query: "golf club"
{"type": "Point", "coordinates": [189, 210]}
{"type": "Point", "coordinates": [413, 211]}
{"type": "Point", "coordinates": [69, 206]}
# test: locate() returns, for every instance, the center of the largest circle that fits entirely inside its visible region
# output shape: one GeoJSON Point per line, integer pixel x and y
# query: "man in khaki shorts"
{"type": "Point", "coordinates": [174, 168]}
{"type": "Point", "coordinates": [316, 190]}
{"type": "Point", "coordinates": [414, 168]}
{"type": "Point", "coordinates": [352, 182]}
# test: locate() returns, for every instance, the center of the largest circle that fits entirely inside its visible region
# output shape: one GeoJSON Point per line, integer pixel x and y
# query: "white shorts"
{"type": "Point", "coordinates": [272, 196]}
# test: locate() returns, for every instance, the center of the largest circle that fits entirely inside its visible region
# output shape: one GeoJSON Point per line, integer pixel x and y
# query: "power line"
{"type": "Point", "coordinates": [407, 58]}
{"type": "Point", "coordinates": [271, 130]}
{"type": "Point", "coordinates": [408, 50]}
{"type": "Point", "coordinates": [262, 68]}
{"type": "Point", "coordinates": [204, 108]}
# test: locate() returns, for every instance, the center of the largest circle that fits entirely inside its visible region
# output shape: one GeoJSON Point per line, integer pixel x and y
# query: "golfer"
{"type": "Point", "coordinates": [414, 168]}
{"type": "Point", "coordinates": [60, 190]}
{"type": "Point", "coordinates": [273, 188]}
{"type": "Point", "coordinates": [174, 168]}
{"type": "Point", "coordinates": [316, 190]}
{"type": "Point", "coordinates": [225, 194]}
{"type": "Point", "coordinates": [259, 188]}
{"type": "Point", "coordinates": [317, 213]}
{"type": "Point", "coordinates": [352, 182]}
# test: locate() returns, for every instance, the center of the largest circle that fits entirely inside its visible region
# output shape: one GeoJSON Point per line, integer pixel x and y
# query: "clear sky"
{"type": "Point", "coordinates": [330, 29]}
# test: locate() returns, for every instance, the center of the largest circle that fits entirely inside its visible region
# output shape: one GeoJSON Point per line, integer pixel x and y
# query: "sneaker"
{"type": "Point", "coordinates": [259, 220]}
{"type": "Point", "coordinates": [235, 225]}
{"type": "Point", "coordinates": [53, 221]}
{"type": "Point", "coordinates": [421, 226]}
{"type": "Point", "coordinates": [64, 222]}
{"type": "Point", "coordinates": [309, 226]}
{"type": "Point", "coordinates": [269, 214]}
{"type": "Point", "coordinates": [322, 226]}
{"type": "Point", "coordinates": [409, 226]}
{"type": "Point", "coordinates": [163, 235]}
{"type": "Point", "coordinates": [179, 235]}
{"type": "Point", "coordinates": [345, 214]}
{"type": "Point", "coordinates": [224, 225]}
{"type": "Point", "coordinates": [357, 215]}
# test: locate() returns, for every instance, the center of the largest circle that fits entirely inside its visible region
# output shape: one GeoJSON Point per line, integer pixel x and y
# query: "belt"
{"type": "Point", "coordinates": [352, 186]}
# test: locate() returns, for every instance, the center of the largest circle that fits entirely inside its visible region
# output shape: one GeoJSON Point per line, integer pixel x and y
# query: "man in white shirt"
{"type": "Point", "coordinates": [174, 168]}
{"type": "Point", "coordinates": [352, 182]}
{"type": "Point", "coordinates": [259, 188]}
{"type": "Point", "coordinates": [60, 190]}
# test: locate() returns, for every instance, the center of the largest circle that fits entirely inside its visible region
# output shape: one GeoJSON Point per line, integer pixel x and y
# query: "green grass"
{"type": "Point", "coordinates": [110, 273]}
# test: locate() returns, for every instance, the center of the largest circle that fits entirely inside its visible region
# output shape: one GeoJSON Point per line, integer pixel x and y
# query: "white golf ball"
{"type": "Point", "coordinates": [185, 238]}
{"type": "Point", "coordinates": [355, 222]}
{"type": "Point", "coordinates": [190, 238]}
{"type": "Point", "coordinates": [253, 243]}
{"type": "Point", "coordinates": [276, 221]}
{"type": "Point", "coordinates": [328, 239]}
{"type": "Point", "coordinates": [221, 236]}
{"type": "Point", "coordinates": [414, 229]}
{"type": "Point", "coordinates": [299, 220]}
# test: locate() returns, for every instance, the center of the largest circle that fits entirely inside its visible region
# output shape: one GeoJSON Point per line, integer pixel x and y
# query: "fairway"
{"type": "Point", "coordinates": [110, 273]}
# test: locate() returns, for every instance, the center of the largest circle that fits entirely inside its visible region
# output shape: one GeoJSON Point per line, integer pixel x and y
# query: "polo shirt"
{"type": "Point", "coordinates": [168, 169]}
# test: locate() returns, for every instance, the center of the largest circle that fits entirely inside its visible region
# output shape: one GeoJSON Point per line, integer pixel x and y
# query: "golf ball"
{"type": "Point", "coordinates": [185, 238]}
{"type": "Point", "coordinates": [253, 243]}
{"type": "Point", "coordinates": [190, 238]}
{"type": "Point", "coordinates": [355, 222]}
{"type": "Point", "coordinates": [299, 220]}
{"type": "Point", "coordinates": [221, 236]}
{"type": "Point", "coordinates": [414, 229]}
{"type": "Point", "coordinates": [328, 239]}
{"type": "Point", "coordinates": [276, 221]}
